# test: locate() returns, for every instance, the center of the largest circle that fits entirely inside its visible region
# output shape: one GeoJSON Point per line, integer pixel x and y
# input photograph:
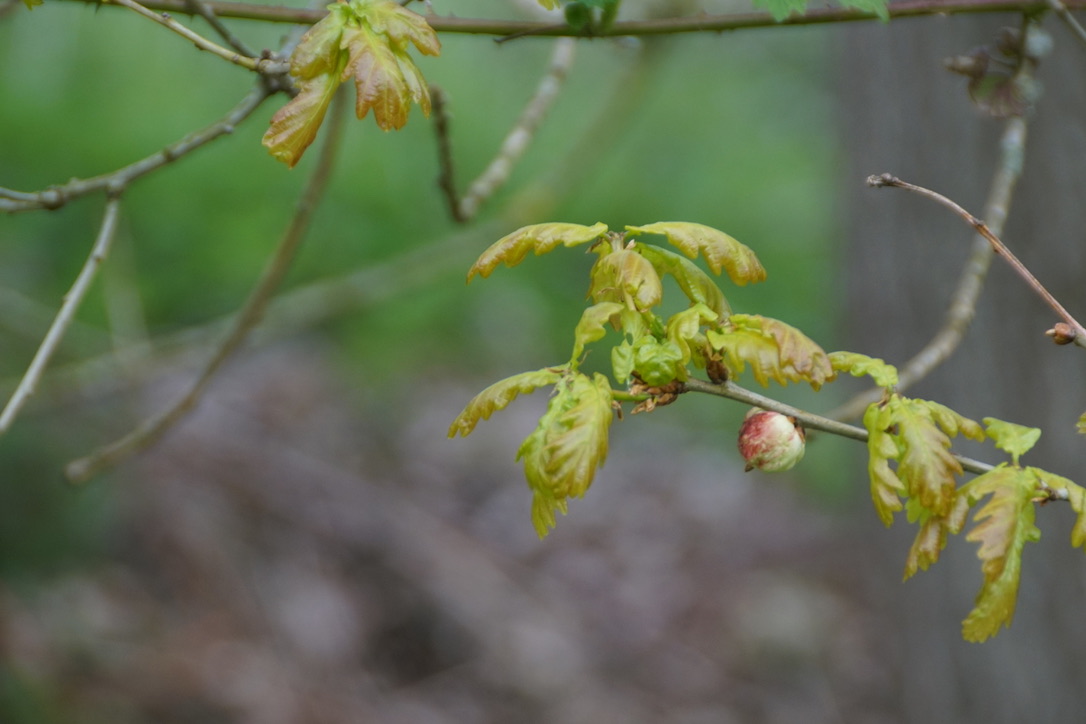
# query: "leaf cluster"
{"type": "Point", "coordinates": [365, 41]}
{"type": "Point", "coordinates": [653, 354]}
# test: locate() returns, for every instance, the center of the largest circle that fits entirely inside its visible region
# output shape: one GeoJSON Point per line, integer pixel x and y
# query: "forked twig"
{"type": "Point", "coordinates": [64, 317]}
{"type": "Point", "coordinates": [201, 9]}
{"type": "Point", "coordinates": [150, 430]}
{"type": "Point", "coordinates": [1079, 333]}
{"type": "Point", "coordinates": [463, 208]}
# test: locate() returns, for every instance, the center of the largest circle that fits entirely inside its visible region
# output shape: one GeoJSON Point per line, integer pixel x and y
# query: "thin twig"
{"type": "Point", "coordinates": [1065, 15]}
{"type": "Point", "coordinates": [217, 25]}
{"type": "Point", "coordinates": [807, 419]}
{"type": "Point", "coordinates": [997, 245]}
{"type": "Point", "coordinates": [264, 66]}
{"type": "Point", "coordinates": [57, 196]}
{"type": "Point", "coordinates": [513, 147]}
{"type": "Point", "coordinates": [702, 23]}
{"type": "Point", "coordinates": [148, 432]}
{"type": "Point", "coordinates": [71, 303]}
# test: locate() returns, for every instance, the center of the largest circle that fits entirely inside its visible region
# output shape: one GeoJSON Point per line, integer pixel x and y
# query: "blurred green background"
{"type": "Point", "coordinates": [732, 130]}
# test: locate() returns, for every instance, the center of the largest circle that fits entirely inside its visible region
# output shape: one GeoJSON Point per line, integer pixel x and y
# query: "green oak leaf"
{"type": "Point", "coordinates": [562, 454]}
{"type": "Point", "coordinates": [926, 465]}
{"type": "Point", "coordinates": [498, 396]}
{"type": "Point", "coordinates": [882, 374]}
{"type": "Point", "coordinates": [698, 287]}
{"type": "Point", "coordinates": [626, 277]}
{"type": "Point", "coordinates": [656, 361]}
{"type": "Point", "coordinates": [887, 489]}
{"type": "Point", "coordinates": [773, 349]}
{"type": "Point", "coordinates": [1073, 493]}
{"type": "Point", "coordinates": [1012, 439]}
{"type": "Point", "coordinates": [684, 328]}
{"type": "Point", "coordinates": [721, 252]}
{"type": "Point", "coordinates": [540, 238]}
{"type": "Point", "coordinates": [592, 325]}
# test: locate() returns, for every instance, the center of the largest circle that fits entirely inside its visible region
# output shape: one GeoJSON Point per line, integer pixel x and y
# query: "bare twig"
{"type": "Point", "coordinates": [72, 300]}
{"type": "Point", "coordinates": [516, 141]}
{"type": "Point", "coordinates": [201, 9]}
{"type": "Point", "coordinates": [701, 23]}
{"type": "Point", "coordinates": [57, 196]}
{"type": "Point", "coordinates": [1065, 15]}
{"type": "Point", "coordinates": [997, 245]}
{"type": "Point", "coordinates": [259, 65]}
{"type": "Point", "coordinates": [807, 419]}
{"type": "Point", "coordinates": [250, 314]}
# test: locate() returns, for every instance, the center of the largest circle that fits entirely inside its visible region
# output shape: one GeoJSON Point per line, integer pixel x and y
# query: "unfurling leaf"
{"type": "Point", "coordinates": [773, 349]}
{"type": "Point", "coordinates": [540, 238]}
{"type": "Point", "coordinates": [656, 361]}
{"type": "Point", "coordinates": [1004, 526]}
{"type": "Point", "coordinates": [932, 534]}
{"type": "Point", "coordinates": [698, 287]}
{"type": "Point", "coordinates": [366, 40]}
{"type": "Point", "coordinates": [592, 325]}
{"type": "Point", "coordinates": [857, 365]}
{"type": "Point", "coordinates": [1064, 489]}
{"type": "Point", "coordinates": [721, 252]}
{"type": "Point", "coordinates": [926, 465]}
{"type": "Point", "coordinates": [499, 395]}
{"type": "Point", "coordinates": [626, 277]}
{"type": "Point", "coordinates": [886, 488]}
{"type": "Point", "coordinates": [1013, 439]}
{"type": "Point", "coordinates": [684, 328]}
{"type": "Point", "coordinates": [570, 443]}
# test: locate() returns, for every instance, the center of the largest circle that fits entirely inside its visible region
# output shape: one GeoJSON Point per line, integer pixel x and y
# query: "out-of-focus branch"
{"type": "Point", "coordinates": [250, 314]}
{"type": "Point", "coordinates": [64, 317]}
{"type": "Point", "coordinates": [266, 66]}
{"type": "Point", "coordinates": [1065, 15]}
{"type": "Point", "coordinates": [201, 9]}
{"type": "Point", "coordinates": [56, 196]}
{"type": "Point", "coordinates": [1077, 332]}
{"type": "Point", "coordinates": [463, 208]}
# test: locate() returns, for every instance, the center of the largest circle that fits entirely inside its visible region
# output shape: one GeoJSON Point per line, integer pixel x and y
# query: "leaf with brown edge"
{"type": "Point", "coordinates": [1004, 525]}
{"type": "Point", "coordinates": [886, 488]}
{"type": "Point", "coordinates": [294, 126]}
{"type": "Point", "coordinates": [592, 325]}
{"type": "Point", "coordinates": [400, 25]}
{"type": "Point", "coordinates": [721, 252]}
{"type": "Point", "coordinates": [932, 534]}
{"type": "Point", "coordinates": [626, 277]}
{"type": "Point", "coordinates": [774, 350]}
{"type": "Point", "coordinates": [926, 465]}
{"type": "Point", "coordinates": [498, 396]}
{"type": "Point", "coordinates": [385, 79]}
{"type": "Point", "coordinates": [856, 364]}
{"type": "Point", "coordinates": [698, 287]}
{"type": "Point", "coordinates": [562, 454]}
{"type": "Point", "coordinates": [540, 238]}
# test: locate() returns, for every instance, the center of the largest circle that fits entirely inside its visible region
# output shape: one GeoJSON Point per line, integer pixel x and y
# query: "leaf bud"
{"type": "Point", "coordinates": [770, 441]}
{"type": "Point", "coordinates": [1062, 333]}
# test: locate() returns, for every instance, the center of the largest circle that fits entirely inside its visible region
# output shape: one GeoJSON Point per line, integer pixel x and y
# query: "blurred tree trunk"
{"type": "Point", "coordinates": [906, 115]}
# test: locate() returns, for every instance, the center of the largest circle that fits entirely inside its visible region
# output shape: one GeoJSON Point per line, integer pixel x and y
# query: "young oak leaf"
{"type": "Point", "coordinates": [721, 252]}
{"type": "Point", "coordinates": [657, 361]}
{"type": "Point", "coordinates": [1012, 439]}
{"type": "Point", "coordinates": [932, 535]}
{"type": "Point", "coordinates": [567, 447]}
{"type": "Point", "coordinates": [592, 325]}
{"type": "Point", "coordinates": [882, 447]}
{"type": "Point", "coordinates": [1064, 489]}
{"type": "Point", "coordinates": [698, 287]}
{"type": "Point", "coordinates": [366, 40]}
{"type": "Point", "coordinates": [926, 465]}
{"type": "Point", "coordinates": [1004, 525]}
{"type": "Point", "coordinates": [774, 350]}
{"type": "Point", "coordinates": [684, 328]}
{"type": "Point", "coordinates": [540, 238]}
{"type": "Point", "coordinates": [498, 396]}
{"type": "Point", "coordinates": [882, 374]}
{"type": "Point", "coordinates": [627, 277]}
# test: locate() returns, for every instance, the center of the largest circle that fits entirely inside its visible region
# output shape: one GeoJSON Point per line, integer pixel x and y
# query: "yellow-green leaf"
{"type": "Point", "coordinates": [627, 277]}
{"type": "Point", "coordinates": [858, 365]}
{"type": "Point", "coordinates": [1013, 439]}
{"type": "Point", "coordinates": [498, 396]}
{"type": "Point", "coordinates": [400, 25]}
{"type": "Point", "coordinates": [721, 252]}
{"type": "Point", "coordinates": [926, 465]}
{"type": "Point", "coordinates": [1080, 426]}
{"type": "Point", "coordinates": [570, 443]}
{"type": "Point", "coordinates": [295, 125]}
{"type": "Point", "coordinates": [684, 328]}
{"type": "Point", "coordinates": [1075, 494]}
{"type": "Point", "coordinates": [540, 238]}
{"type": "Point", "coordinates": [385, 79]}
{"type": "Point", "coordinates": [1004, 525]}
{"type": "Point", "coordinates": [592, 327]}
{"type": "Point", "coordinates": [886, 488]}
{"type": "Point", "coordinates": [698, 287]}
{"type": "Point", "coordinates": [657, 361]}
